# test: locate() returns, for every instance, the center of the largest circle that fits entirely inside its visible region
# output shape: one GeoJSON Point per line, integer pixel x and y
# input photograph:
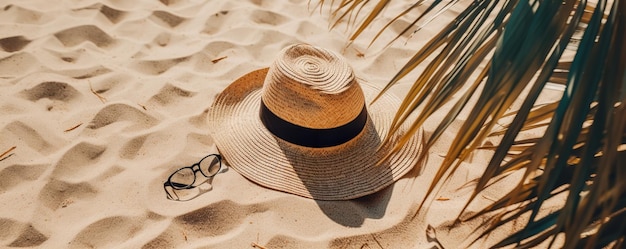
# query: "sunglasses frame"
{"type": "Point", "coordinates": [194, 169]}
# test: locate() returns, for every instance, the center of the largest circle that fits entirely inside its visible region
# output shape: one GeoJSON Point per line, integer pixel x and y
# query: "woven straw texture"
{"type": "Point", "coordinates": [324, 85]}
{"type": "Point", "coordinates": [306, 86]}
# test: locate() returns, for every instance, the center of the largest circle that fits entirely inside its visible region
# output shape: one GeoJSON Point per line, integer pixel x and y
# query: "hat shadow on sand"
{"type": "Point", "coordinates": [353, 212]}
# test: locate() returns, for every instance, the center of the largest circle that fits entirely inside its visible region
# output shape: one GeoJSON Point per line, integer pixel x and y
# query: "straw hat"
{"type": "Point", "coordinates": [305, 126]}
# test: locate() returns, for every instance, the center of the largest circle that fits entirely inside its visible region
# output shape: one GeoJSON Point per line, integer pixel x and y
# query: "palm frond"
{"type": "Point", "coordinates": [513, 50]}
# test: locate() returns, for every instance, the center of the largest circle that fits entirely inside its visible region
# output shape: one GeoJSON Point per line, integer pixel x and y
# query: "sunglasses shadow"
{"type": "Point", "coordinates": [191, 193]}
{"type": "Point", "coordinates": [187, 193]}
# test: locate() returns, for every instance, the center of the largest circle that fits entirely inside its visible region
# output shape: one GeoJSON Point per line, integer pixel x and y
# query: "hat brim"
{"type": "Point", "coordinates": [341, 172]}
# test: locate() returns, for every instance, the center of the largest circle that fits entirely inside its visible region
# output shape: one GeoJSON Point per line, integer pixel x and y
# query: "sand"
{"type": "Point", "coordinates": [100, 100]}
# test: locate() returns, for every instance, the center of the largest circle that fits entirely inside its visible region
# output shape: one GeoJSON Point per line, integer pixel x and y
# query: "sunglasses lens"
{"type": "Point", "coordinates": [210, 166]}
{"type": "Point", "coordinates": [182, 178]}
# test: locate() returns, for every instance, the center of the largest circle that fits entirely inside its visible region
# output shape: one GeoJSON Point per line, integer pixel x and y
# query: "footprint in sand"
{"type": "Point", "coordinates": [156, 67]}
{"type": "Point", "coordinates": [18, 64]}
{"type": "Point", "coordinates": [29, 237]}
{"type": "Point", "coordinates": [268, 17]}
{"type": "Point", "coordinates": [14, 43]}
{"type": "Point", "coordinates": [20, 234]}
{"type": "Point", "coordinates": [84, 33]}
{"type": "Point", "coordinates": [114, 15]}
{"type": "Point", "coordinates": [9, 230]}
{"type": "Point", "coordinates": [215, 23]}
{"type": "Point", "coordinates": [109, 232]}
{"type": "Point", "coordinates": [16, 175]}
{"type": "Point", "coordinates": [307, 29]}
{"type": "Point", "coordinates": [169, 2]}
{"type": "Point", "coordinates": [87, 73]}
{"type": "Point", "coordinates": [284, 241]}
{"type": "Point", "coordinates": [132, 147]}
{"type": "Point", "coordinates": [119, 112]}
{"type": "Point", "coordinates": [213, 220]}
{"type": "Point", "coordinates": [23, 134]}
{"type": "Point", "coordinates": [166, 19]}
{"type": "Point", "coordinates": [81, 162]}
{"type": "Point", "coordinates": [149, 146]}
{"type": "Point", "coordinates": [59, 194]}
{"type": "Point", "coordinates": [170, 94]}
{"type": "Point", "coordinates": [51, 90]}
{"type": "Point", "coordinates": [17, 14]}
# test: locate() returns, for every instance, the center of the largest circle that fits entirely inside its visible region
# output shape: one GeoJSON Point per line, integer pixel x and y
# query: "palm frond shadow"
{"type": "Point", "coordinates": [508, 52]}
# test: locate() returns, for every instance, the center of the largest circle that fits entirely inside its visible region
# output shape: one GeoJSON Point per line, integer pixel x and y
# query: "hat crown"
{"type": "Point", "coordinates": [313, 88]}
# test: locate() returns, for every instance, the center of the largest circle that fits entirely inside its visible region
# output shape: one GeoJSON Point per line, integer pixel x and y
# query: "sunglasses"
{"type": "Point", "coordinates": [185, 177]}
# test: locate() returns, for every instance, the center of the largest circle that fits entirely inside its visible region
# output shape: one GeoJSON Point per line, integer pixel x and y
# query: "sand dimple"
{"type": "Point", "coordinates": [23, 134]}
{"type": "Point", "coordinates": [112, 14]}
{"type": "Point", "coordinates": [86, 73]}
{"type": "Point", "coordinates": [217, 218]}
{"type": "Point", "coordinates": [283, 241]}
{"type": "Point", "coordinates": [215, 22]}
{"type": "Point", "coordinates": [79, 161]}
{"type": "Point", "coordinates": [51, 90]}
{"type": "Point", "coordinates": [9, 229]}
{"type": "Point", "coordinates": [129, 151]}
{"type": "Point", "coordinates": [60, 194]}
{"type": "Point", "coordinates": [15, 175]}
{"type": "Point", "coordinates": [402, 234]}
{"type": "Point", "coordinates": [15, 43]}
{"type": "Point", "coordinates": [214, 220]}
{"type": "Point", "coordinates": [268, 17]}
{"type": "Point", "coordinates": [110, 84]}
{"type": "Point", "coordinates": [77, 35]}
{"type": "Point", "coordinates": [170, 2]}
{"type": "Point", "coordinates": [118, 112]}
{"type": "Point", "coordinates": [17, 14]}
{"type": "Point", "coordinates": [170, 94]}
{"type": "Point", "coordinates": [100, 234]}
{"type": "Point", "coordinates": [147, 146]}
{"type": "Point", "coordinates": [169, 19]}
{"type": "Point", "coordinates": [29, 237]}
{"type": "Point", "coordinates": [156, 67]}
{"type": "Point", "coordinates": [18, 64]}
{"type": "Point", "coordinates": [160, 242]}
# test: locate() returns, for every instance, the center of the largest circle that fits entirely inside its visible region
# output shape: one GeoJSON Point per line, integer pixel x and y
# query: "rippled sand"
{"type": "Point", "coordinates": [103, 99]}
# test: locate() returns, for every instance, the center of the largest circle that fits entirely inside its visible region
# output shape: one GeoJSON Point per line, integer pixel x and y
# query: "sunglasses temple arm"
{"type": "Point", "coordinates": [169, 196]}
